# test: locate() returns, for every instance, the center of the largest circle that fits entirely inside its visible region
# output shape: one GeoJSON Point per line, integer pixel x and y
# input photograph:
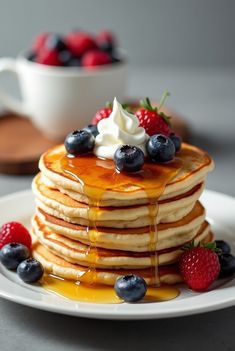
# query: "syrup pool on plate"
{"type": "Point", "coordinates": [100, 293]}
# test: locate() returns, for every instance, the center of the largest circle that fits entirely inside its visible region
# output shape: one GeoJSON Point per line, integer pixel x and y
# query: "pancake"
{"type": "Point", "coordinates": [102, 183]}
{"type": "Point", "coordinates": [93, 224]}
{"type": "Point", "coordinates": [60, 205]}
{"type": "Point", "coordinates": [77, 252]}
{"type": "Point", "coordinates": [60, 267]}
{"type": "Point", "coordinates": [137, 240]}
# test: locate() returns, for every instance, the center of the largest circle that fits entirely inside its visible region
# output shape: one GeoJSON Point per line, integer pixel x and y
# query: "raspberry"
{"type": "Point", "coordinates": [40, 41]}
{"type": "Point", "coordinates": [95, 58]}
{"type": "Point", "coordinates": [106, 41]}
{"type": "Point", "coordinates": [151, 119]}
{"type": "Point", "coordinates": [101, 114]}
{"type": "Point", "coordinates": [105, 36]}
{"type": "Point", "coordinates": [48, 57]}
{"type": "Point", "coordinates": [199, 267]}
{"type": "Point", "coordinates": [79, 43]}
{"type": "Point", "coordinates": [14, 232]}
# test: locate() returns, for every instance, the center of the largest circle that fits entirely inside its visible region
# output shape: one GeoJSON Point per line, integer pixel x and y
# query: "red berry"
{"type": "Point", "coordinates": [39, 41]}
{"type": "Point", "coordinates": [199, 267]}
{"type": "Point", "coordinates": [79, 43]}
{"type": "Point", "coordinates": [153, 121]}
{"type": "Point", "coordinates": [14, 232]}
{"type": "Point", "coordinates": [106, 37]}
{"type": "Point", "coordinates": [95, 58]}
{"type": "Point", "coordinates": [48, 57]}
{"type": "Point", "coordinates": [101, 114]}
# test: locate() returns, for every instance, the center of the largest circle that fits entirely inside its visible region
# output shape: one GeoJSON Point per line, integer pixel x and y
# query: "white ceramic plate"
{"type": "Point", "coordinates": [221, 214]}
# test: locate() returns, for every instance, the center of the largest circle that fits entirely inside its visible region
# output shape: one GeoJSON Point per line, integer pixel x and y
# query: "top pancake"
{"type": "Point", "coordinates": [94, 181]}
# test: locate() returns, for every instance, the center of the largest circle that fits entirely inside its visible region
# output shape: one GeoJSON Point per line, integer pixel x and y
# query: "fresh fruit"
{"type": "Point", "coordinates": [79, 142]}
{"type": "Point", "coordinates": [199, 266]}
{"type": "Point", "coordinates": [160, 148]}
{"type": "Point", "coordinates": [95, 58]}
{"type": "Point", "coordinates": [223, 246]}
{"type": "Point", "coordinates": [102, 113]}
{"type": "Point", "coordinates": [151, 119]}
{"type": "Point", "coordinates": [227, 265]}
{"type": "Point", "coordinates": [31, 56]}
{"type": "Point", "coordinates": [48, 57]}
{"type": "Point", "coordinates": [76, 49]}
{"type": "Point", "coordinates": [129, 158]}
{"type": "Point", "coordinates": [30, 270]}
{"type": "Point", "coordinates": [65, 57]}
{"type": "Point", "coordinates": [39, 41]}
{"type": "Point", "coordinates": [115, 57]}
{"type": "Point", "coordinates": [74, 62]}
{"type": "Point", "coordinates": [177, 141]}
{"type": "Point", "coordinates": [14, 232]}
{"type": "Point", "coordinates": [12, 254]}
{"type": "Point", "coordinates": [79, 43]}
{"type": "Point", "coordinates": [106, 41]}
{"type": "Point", "coordinates": [55, 42]}
{"type": "Point", "coordinates": [130, 288]}
{"type": "Point", "coordinates": [92, 128]}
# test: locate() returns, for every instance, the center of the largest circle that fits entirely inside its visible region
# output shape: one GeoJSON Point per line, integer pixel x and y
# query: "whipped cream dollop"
{"type": "Point", "coordinates": [120, 128]}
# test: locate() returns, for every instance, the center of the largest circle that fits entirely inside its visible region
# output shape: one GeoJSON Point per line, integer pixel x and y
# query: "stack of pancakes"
{"type": "Point", "coordinates": [93, 224]}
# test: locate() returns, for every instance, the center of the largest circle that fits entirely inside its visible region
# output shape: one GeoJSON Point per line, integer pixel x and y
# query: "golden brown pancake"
{"type": "Point", "coordinates": [77, 252]}
{"type": "Point", "coordinates": [96, 180]}
{"type": "Point", "coordinates": [55, 265]}
{"type": "Point", "coordinates": [133, 239]}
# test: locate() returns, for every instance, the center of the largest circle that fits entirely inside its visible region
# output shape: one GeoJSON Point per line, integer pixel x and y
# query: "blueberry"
{"type": "Point", "coordinates": [177, 141]}
{"type": "Point", "coordinates": [223, 246]}
{"type": "Point", "coordinates": [79, 142]}
{"type": "Point", "coordinates": [130, 288]}
{"type": "Point", "coordinates": [129, 158]}
{"type": "Point", "coordinates": [74, 62]}
{"type": "Point", "coordinates": [31, 56]}
{"type": "Point", "coordinates": [30, 270]}
{"type": "Point", "coordinates": [227, 265]}
{"type": "Point", "coordinates": [160, 148]}
{"type": "Point", "coordinates": [12, 254]}
{"type": "Point", "coordinates": [115, 57]}
{"type": "Point", "coordinates": [65, 57]}
{"type": "Point", "coordinates": [106, 46]}
{"type": "Point", "coordinates": [92, 128]}
{"type": "Point", "coordinates": [55, 42]}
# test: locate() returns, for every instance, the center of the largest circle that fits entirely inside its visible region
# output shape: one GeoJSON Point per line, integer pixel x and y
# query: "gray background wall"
{"type": "Point", "coordinates": [164, 32]}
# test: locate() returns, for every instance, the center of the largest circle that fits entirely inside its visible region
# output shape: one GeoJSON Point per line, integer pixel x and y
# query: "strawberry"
{"type": "Point", "coordinates": [151, 119]}
{"type": "Point", "coordinates": [14, 232]}
{"type": "Point", "coordinates": [48, 57]}
{"type": "Point", "coordinates": [94, 58]}
{"type": "Point", "coordinates": [40, 41]}
{"type": "Point", "coordinates": [79, 43]}
{"type": "Point", "coordinates": [102, 113]}
{"type": "Point", "coordinates": [199, 266]}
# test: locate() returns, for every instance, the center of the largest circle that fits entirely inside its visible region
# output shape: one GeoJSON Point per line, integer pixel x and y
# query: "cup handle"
{"type": "Point", "coordinates": [9, 102]}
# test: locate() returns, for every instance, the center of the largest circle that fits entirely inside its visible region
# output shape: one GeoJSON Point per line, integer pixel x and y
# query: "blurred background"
{"type": "Point", "coordinates": [184, 46]}
{"type": "Point", "coordinates": [163, 32]}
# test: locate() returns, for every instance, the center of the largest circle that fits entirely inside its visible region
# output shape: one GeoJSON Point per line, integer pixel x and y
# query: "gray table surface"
{"type": "Point", "coordinates": [206, 98]}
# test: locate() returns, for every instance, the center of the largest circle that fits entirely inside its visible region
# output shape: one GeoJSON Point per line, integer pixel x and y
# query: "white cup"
{"type": "Point", "coordinates": [62, 99]}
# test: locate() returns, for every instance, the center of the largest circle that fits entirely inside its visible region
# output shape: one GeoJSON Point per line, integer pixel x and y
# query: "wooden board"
{"type": "Point", "coordinates": [21, 143]}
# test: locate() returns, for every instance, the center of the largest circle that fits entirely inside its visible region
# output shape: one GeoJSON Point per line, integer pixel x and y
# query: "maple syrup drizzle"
{"type": "Point", "coordinates": [96, 177]}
